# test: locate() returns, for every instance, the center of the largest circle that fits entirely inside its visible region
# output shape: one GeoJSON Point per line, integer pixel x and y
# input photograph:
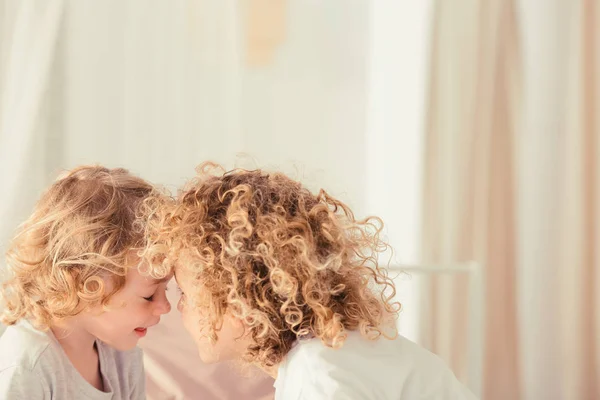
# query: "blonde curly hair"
{"type": "Point", "coordinates": [287, 262]}
{"type": "Point", "coordinates": [81, 231]}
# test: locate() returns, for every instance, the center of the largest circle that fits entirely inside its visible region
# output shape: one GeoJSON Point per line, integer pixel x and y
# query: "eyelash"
{"type": "Point", "coordinates": [150, 298]}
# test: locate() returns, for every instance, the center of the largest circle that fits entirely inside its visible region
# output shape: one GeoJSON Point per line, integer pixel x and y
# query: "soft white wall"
{"type": "Point", "coordinates": [160, 94]}
{"type": "Point", "coordinates": [397, 82]}
{"type": "Point", "coordinates": [160, 88]}
{"type": "Point", "coordinates": [157, 92]}
{"type": "Point", "coordinates": [307, 109]}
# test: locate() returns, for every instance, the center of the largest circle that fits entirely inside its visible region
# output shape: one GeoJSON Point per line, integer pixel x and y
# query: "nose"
{"type": "Point", "coordinates": [162, 306]}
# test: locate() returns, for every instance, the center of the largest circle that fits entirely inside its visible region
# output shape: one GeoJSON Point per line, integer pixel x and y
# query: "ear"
{"type": "Point", "coordinates": [240, 329]}
{"type": "Point", "coordinates": [235, 322]}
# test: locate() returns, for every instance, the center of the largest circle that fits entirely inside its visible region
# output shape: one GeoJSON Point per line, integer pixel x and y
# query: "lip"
{"type": "Point", "coordinates": [141, 332]}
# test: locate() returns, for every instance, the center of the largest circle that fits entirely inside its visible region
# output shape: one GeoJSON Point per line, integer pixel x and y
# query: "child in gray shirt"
{"type": "Point", "coordinates": [35, 366]}
{"type": "Point", "coordinates": [77, 299]}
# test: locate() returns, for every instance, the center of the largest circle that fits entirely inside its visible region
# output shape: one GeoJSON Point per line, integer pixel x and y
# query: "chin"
{"type": "Point", "coordinates": [208, 357]}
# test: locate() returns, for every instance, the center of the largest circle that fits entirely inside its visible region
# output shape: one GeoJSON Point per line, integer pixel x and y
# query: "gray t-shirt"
{"type": "Point", "coordinates": [33, 365]}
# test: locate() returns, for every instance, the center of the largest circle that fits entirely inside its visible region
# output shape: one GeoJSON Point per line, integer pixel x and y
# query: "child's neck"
{"type": "Point", "coordinates": [80, 347]}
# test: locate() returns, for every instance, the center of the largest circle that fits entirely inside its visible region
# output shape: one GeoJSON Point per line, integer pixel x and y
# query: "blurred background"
{"type": "Point", "coordinates": [471, 127]}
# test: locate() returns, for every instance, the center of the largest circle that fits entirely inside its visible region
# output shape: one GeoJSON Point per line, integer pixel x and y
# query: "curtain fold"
{"type": "Point", "coordinates": [579, 243]}
{"type": "Point", "coordinates": [469, 210]}
{"type": "Point", "coordinates": [28, 47]}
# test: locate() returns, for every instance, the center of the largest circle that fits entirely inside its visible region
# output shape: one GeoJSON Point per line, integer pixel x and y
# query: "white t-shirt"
{"type": "Point", "coordinates": [375, 370]}
{"type": "Point", "coordinates": [33, 365]}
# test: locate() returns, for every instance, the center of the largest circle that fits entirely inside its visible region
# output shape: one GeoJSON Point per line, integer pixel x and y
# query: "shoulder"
{"type": "Point", "coordinates": [380, 368]}
{"type": "Point", "coordinates": [427, 370]}
{"type": "Point", "coordinates": [316, 371]}
{"type": "Point", "coordinates": [24, 347]}
{"type": "Point", "coordinates": [20, 382]}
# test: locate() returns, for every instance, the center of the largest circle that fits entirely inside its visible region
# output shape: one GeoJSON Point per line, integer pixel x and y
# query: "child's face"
{"type": "Point", "coordinates": [232, 341]}
{"type": "Point", "coordinates": [136, 307]}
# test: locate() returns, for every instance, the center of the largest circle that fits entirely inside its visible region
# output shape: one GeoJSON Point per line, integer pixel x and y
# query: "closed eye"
{"type": "Point", "coordinates": [150, 298]}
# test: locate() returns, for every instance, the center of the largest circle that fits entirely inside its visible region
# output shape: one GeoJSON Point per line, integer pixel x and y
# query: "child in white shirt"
{"type": "Point", "coordinates": [276, 276]}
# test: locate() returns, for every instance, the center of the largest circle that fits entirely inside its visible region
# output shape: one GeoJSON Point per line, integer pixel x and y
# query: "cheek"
{"type": "Point", "coordinates": [134, 313]}
{"type": "Point", "coordinates": [187, 316]}
{"type": "Point", "coordinates": [139, 311]}
{"type": "Point", "coordinates": [196, 325]}
{"type": "Point", "coordinates": [188, 313]}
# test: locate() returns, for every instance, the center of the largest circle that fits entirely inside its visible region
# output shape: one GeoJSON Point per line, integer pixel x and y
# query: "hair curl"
{"type": "Point", "coordinates": [288, 263]}
{"type": "Point", "coordinates": [81, 231]}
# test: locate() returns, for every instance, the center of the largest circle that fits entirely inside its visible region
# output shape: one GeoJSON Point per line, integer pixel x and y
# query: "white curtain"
{"type": "Point", "coordinates": [513, 181]}
{"type": "Point", "coordinates": [29, 33]}
{"type": "Point", "coordinates": [469, 209]}
{"type": "Point", "coordinates": [559, 187]}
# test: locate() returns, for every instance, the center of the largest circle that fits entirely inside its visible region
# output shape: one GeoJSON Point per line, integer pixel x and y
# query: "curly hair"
{"type": "Point", "coordinates": [290, 264]}
{"type": "Point", "coordinates": [81, 231]}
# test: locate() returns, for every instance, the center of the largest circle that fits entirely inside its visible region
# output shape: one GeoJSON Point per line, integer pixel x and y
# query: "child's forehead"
{"type": "Point", "coordinates": [156, 281]}
{"type": "Point", "coordinates": [181, 273]}
{"type": "Point", "coordinates": [136, 276]}
{"type": "Point", "coordinates": [178, 273]}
